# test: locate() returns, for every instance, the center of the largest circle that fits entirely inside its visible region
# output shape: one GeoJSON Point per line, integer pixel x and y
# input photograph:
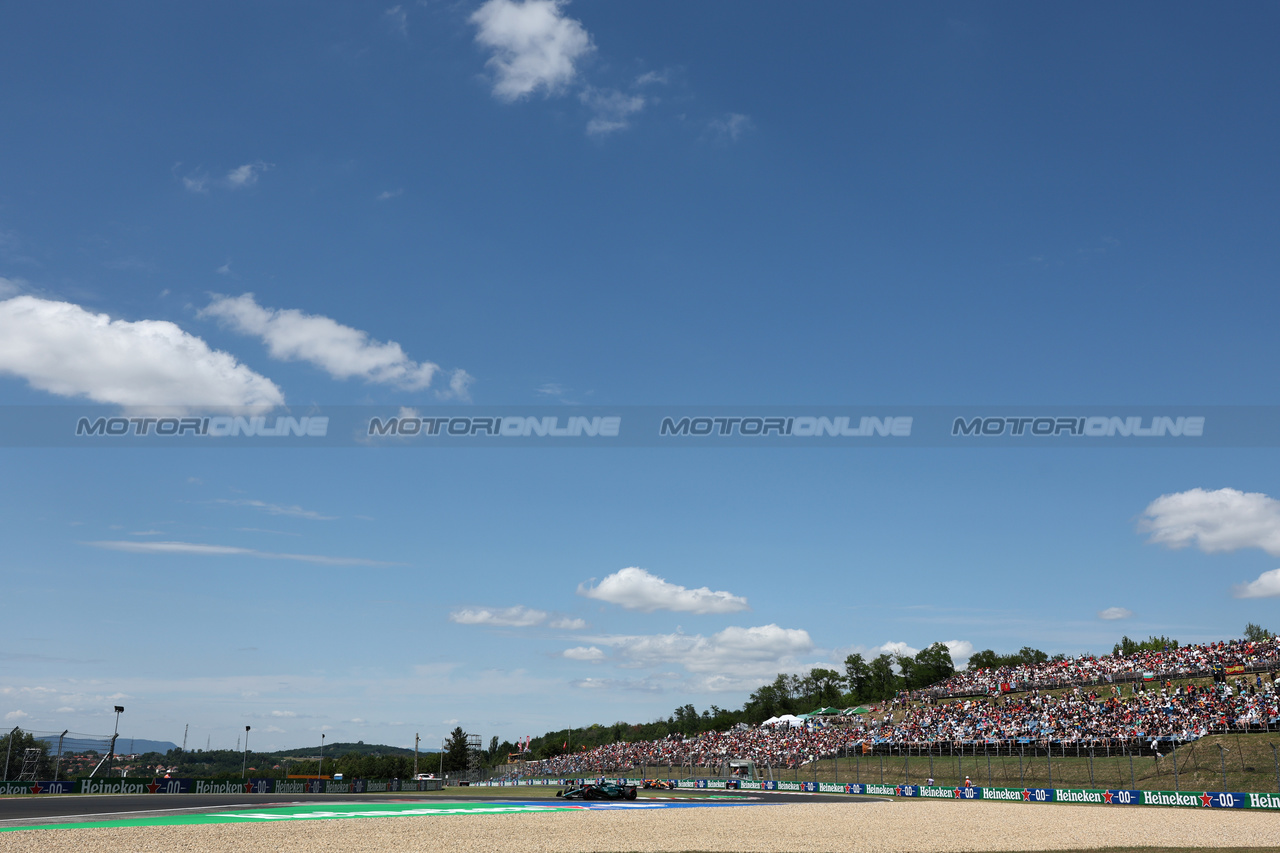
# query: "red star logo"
{"type": "Point", "coordinates": [153, 787]}
{"type": "Point", "coordinates": [957, 792]}
{"type": "Point", "coordinates": [1107, 795]}
{"type": "Point", "coordinates": [1026, 795]}
{"type": "Point", "coordinates": [35, 788]}
{"type": "Point", "coordinates": [1205, 799]}
{"type": "Point", "coordinates": [248, 787]}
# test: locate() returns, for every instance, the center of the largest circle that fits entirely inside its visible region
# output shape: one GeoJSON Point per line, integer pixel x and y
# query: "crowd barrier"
{"type": "Point", "coordinates": [1099, 796]}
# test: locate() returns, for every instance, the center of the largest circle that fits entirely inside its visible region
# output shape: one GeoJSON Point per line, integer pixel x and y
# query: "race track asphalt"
{"type": "Point", "coordinates": [75, 807]}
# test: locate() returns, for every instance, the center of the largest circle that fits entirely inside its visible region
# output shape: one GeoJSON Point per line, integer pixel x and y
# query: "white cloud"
{"type": "Point", "coordinates": [10, 287]}
{"type": "Point", "coordinates": [760, 651]}
{"type": "Point", "coordinates": [63, 349]}
{"type": "Point", "coordinates": [231, 551]}
{"type": "Point", "coordinates": [341, 351]}
{"type": "Point", "coordinates": [196, 182]}
{"type": "Point", "coordinates": [961, 650]}
{"type": "Point", "coordinates": [1266, 586]}
{"type": "Point", "coordinates": [277, 509]}
{"type": "Point", "coordinates": [612, 110]}
{"type": "Point", "coordinates": [585, 653]}
{"type": "Point", "coordinates": [896, 649]}
{"type": "Point", "coordinates": [459, 386]}
{"type": "Point", "coordinates": [729, 127]}
{"type": "Point", "coordinates": [284, 713]}
{"type": "Point", "coordinates": [398, 18]}
{"type": "Point", "coordinates": [534, 46]}
{"type": "Point", "coordinates": [568, 624]}
{"type": "Point", "coordinates": [1222, 520]}
{"type": "Point", "coordinates": [390, 194]}
{"type": "Point", "coordinates": [14, 716]}
{"type": "Point", "coordinates": [651, 77]}
{"type": "Point", "coordinates": [636, 589]}
{"type": "Point", "coordinates": [1115, 613]}
{"type": "Point", "coordinates": [246, 175]}
{"type": "Point", "coordinates": [509, 617]}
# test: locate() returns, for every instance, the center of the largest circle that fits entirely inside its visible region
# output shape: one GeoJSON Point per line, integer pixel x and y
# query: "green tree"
{"type": "Point", "coordinates": [985, 659]}
{"type": "Point", "coordinates": [822, 687]}
{"type": "Point", "coordinates": [455, 751]}
{"type": "Point", "coordinates": [14, 745]}
{"type": "Point", "coordinates": [857, 675]}
{"type": "Point", "coordinates": [931, 666]}
{"type": "Point", "coordinates": [1256, 633]}
{"type": "Point", "coordinates": [883, 682]}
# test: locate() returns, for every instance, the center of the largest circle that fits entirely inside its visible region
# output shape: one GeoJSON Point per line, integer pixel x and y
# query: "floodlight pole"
{"type": "Point", "coordinates": [321, 773]}
{"type": "Point", "coordinates": [244, 762]}
{"type": "Point", "coordinates": [58, 764]}
{"type": "Point", "coordinates": [112, 762]}
{"type": "Point", "coordinates": [415, 755]}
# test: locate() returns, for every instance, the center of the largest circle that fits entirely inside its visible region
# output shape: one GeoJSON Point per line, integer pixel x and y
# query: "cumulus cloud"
{"type": "Point", "coordinates": [534, 46]}
{"type": "Point", "coordinates": [390, 194]}
{"type": "Point", "coordinates": [759, 651]}
{"type": "Point", "coordinates": [729, 127]}
{"type": "Point", "coordinates": [201, 549]}
{"type": "Point", "coordinates": [1222, 520]}
{"type": "Point", "coordinates": [10, 287]}
{"type": "Point", "coordinates": [961, 650]}
{"type": "Point", "coordinates": [459, 386]}
{"type": "Point", "coordinates": [509, 617]}
{"type": "Point", "coordinates": [636, 589]}
{"type": "Point", "coordinates": [246, 176]}
{"type": "Point", "coordinates": [341, 351]}
{"type": "Point", "coordinates": [569, 624]}
{"type": "Point", "coordinates": [63, 349]}
{"type": "Point", "coordinates": [896, 649]}
{"type": "Point", "coordinates": [1266, 586]}
{"type": "Point", "coordinates": [1115, 613]}
{"type": "Point", "coordinates": [585, 653]}
{"type": "Point", "coordinates": [612, 110]}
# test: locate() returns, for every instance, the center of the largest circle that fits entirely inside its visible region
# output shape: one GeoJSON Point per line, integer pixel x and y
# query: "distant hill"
{"type": "Point", "coordinates": [124, 746]}
{"type": "Point", "coordinates": [359, 747]}
{"type": "Point", "coordinates": [137, 746]}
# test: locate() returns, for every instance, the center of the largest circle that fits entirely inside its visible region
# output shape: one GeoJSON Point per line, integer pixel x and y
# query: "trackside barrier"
{"type": "Point", "coordinates": [1098, 796]}
{"type": "Point", "coordinates": [213, 786]}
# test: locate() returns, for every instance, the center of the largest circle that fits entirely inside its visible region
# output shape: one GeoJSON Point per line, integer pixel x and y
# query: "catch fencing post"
{"type": "Point", "coordinates": [882, 768]}
{"type": "Point", "coordinates": [1276, 762]}
{"type": "Point", "coordinates": [1133, 782]}
{"type": "Point", "coordinates": [1222, 754]}
{"type": "Point", "coordinates": [1091, 767]}
{"type": "Point", "coordinates": [1048, 754]}
{"type": "Point", "coordinates": [907, 760]}
{"type": "Point", "coordinates": [987, 753]}
{"type": "Point", "coordinates": [1022, 748]}
{"type": "Point", "coordinates": [1175, 767]}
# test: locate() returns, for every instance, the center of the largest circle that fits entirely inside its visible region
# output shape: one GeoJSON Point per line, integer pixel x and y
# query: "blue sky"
{"type": "Point", "coordinates": [501, 203]}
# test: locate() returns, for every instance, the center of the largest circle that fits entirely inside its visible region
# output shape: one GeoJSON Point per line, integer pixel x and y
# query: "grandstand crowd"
{"type": "Point", "coordinates": [1090, 711]}
{"type": "Point", "coordinates": [1181, 662]}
